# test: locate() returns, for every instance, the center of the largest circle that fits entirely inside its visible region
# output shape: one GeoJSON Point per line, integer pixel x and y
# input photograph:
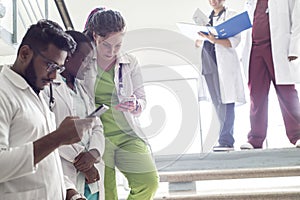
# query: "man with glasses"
{"type": "Point", "coordinates": [30, 167]}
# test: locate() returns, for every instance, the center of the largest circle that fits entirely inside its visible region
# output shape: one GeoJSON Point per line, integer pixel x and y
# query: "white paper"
{"type": "Point", "coordinates": [191, 30]}
{"type": "Point", "coordinates": [200, 18]}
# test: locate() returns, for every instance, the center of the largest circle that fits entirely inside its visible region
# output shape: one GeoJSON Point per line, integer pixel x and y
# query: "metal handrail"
{"type": "Point", "coordinates": [22, 14]}
{"type": "Point", "coordinates": [15, 25]}
{"type": "Point", "coordinates": [64, 14]}
{"type": "Point", "coordinates": [31, 14]}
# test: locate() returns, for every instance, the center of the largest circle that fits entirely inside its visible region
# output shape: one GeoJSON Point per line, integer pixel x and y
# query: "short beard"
{"type": "Point", "coordinates": [30, 77]}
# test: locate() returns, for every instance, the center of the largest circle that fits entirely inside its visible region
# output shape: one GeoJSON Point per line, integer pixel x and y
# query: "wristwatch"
{"type": "Point", "coordinates": [77, 196]}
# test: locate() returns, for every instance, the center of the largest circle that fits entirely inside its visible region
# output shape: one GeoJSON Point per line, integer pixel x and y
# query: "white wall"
{"type": "Point", "coordinates": [153, 37]}
{"type": "Point", "coordinates": [143, 13]}
{"type": "Point", "coordinates": [150, 24]}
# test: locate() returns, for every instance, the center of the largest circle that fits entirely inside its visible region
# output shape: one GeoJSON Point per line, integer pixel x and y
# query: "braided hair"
{"type": "Point", "coordinates": [103, 22]}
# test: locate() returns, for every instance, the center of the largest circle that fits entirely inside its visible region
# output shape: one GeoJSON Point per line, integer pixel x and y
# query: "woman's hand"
{"type": "Point", "coordinates": [198, 43]}
{"type": "Point", "coordinates": [208, 36]}
{"type": "Point", "coordinates": [129, 104]}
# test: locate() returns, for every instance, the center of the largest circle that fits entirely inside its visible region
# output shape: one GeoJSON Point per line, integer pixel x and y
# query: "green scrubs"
{"type": "Point", "coordinates": [123, 150]}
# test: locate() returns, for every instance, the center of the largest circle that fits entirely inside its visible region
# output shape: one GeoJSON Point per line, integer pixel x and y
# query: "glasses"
{"type": "Point", "coordinates": [51, 66]}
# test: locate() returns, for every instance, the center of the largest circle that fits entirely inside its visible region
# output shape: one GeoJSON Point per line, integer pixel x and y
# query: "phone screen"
{"type": "Point", "coordinates": [99, 111]}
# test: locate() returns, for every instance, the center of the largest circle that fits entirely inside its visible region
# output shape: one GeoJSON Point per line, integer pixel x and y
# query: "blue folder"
{"type": "Point", "coordinates": [232, 26]}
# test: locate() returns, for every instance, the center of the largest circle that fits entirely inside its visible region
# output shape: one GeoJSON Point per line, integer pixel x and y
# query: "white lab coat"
{"type": "Point", "coordinates": [94, 139]}
{"type": "Point", "coordinates": [284, 19]}
{"type": "Point", "coordinates": [132, 82]}
{"type": "Point", "coordinates": [25, 117]}
{"type": "Point", "coordinates": [229, 67]}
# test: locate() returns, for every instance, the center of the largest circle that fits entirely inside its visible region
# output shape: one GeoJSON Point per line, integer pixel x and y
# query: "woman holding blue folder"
{"type": "Point", "coordinates": [222, 72]}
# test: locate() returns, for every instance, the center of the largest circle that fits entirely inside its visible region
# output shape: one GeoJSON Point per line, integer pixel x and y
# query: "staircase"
{"type": "Point", "coordinates": [15, 18]}
{"type": "Point", "coordinates": [242, 172]}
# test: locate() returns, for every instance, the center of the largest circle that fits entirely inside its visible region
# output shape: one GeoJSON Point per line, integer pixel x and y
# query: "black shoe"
{"type": "Point", "coordinates": [220, 148]}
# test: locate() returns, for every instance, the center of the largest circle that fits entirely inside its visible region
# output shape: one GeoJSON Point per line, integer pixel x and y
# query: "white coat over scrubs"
{"type": "Point", "coordinates": [132, 82]}
{"type": "Point", "coordinates": [93, 139]}
{"type": "Point", "coordinates": [229, 67]}
{"type": "Point", "coordinates": [25, 117]}
{"type": "Point", "coordinates": [284, 19]}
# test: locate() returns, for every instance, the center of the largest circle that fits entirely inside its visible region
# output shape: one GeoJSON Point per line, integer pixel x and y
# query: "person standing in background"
{"type": "Point", "coordinates": [271, 54]}
{"type": "Point", "coordinates": [119, 84]}
{"type": "Point", "coordinates": [82, 162]}
{"type": "Point", "coordinates": [222, 71]}
{"type": "Point", "coordinates": [29, 162]}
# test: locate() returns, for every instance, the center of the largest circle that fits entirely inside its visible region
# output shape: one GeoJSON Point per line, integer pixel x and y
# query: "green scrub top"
{"type": "Point", "coordinates": [114, 121]}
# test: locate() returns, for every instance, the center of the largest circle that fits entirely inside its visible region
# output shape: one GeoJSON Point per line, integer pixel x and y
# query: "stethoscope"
{"type": "Point", "coordinates": [211, 16]}
{"type": "Point", "coordinates": [51, 97]}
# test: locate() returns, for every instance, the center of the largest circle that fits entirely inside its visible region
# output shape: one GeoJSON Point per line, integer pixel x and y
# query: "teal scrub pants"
{"type": "Point", "coordinates": [133, 158]}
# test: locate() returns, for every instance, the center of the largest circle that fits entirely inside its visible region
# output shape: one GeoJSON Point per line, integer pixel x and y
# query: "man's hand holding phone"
{"type": "Point", "coordinates": [72, 129]}
{"type": "Point", "coordinates": [99, 111]}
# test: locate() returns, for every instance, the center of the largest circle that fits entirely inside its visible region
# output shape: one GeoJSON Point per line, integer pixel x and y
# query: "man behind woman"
{"type": "Point", "coordinates": [82, 161]}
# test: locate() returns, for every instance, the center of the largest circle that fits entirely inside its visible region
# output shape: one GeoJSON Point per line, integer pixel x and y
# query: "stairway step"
{"type": "Point", "coordinates": [257, 158]}
{"type": "Point", "coordinates": [182, 170]}
{"type": "Point", "coordinates": [291, 194]}
{"type": "Point", "coordinates": [199, 175]}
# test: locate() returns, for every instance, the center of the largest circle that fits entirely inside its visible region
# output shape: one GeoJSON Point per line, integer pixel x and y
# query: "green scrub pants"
{"type": "Point", "coordinates": [133, 158]}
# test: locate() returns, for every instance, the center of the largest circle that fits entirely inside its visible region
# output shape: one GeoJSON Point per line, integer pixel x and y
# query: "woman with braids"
{"type": "Point", "coordinates": [116, 81]}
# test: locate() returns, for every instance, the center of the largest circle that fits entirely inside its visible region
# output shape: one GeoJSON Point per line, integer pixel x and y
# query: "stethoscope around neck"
{"type": "Point", "coordinates": [212, 16]}
{"type": "Point", "coordinates": [51, 97]}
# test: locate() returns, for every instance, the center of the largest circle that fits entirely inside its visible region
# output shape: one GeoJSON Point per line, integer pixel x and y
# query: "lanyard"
{"type": "Point", "coordinates": [121, 86]}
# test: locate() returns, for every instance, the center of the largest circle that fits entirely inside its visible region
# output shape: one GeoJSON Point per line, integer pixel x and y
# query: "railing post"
{"type": "Point", "coordinates": [46, 9]}
{"type": "Point", "coordinates": [15, 26]}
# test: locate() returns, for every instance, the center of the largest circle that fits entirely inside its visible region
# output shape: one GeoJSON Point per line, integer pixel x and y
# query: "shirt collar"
{"type": "Point", "coordinates": [15, 78]}
{"type": "Point", "coordinates": [123, 59]}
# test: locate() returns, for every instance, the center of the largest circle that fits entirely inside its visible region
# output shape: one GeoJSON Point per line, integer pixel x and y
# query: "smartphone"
{"type": "Point", "coordinates": [99, 111]}
{"type": "Point", "coordinates": [128, 99]}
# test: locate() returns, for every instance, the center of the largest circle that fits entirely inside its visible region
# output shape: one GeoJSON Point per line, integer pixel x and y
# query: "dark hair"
{"type": "Point", "coordinates": [46, 32]}
{"type": "Point", "coordinates": [104, 22]}
{"type": "Point", "coordinates": [79, 37]}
